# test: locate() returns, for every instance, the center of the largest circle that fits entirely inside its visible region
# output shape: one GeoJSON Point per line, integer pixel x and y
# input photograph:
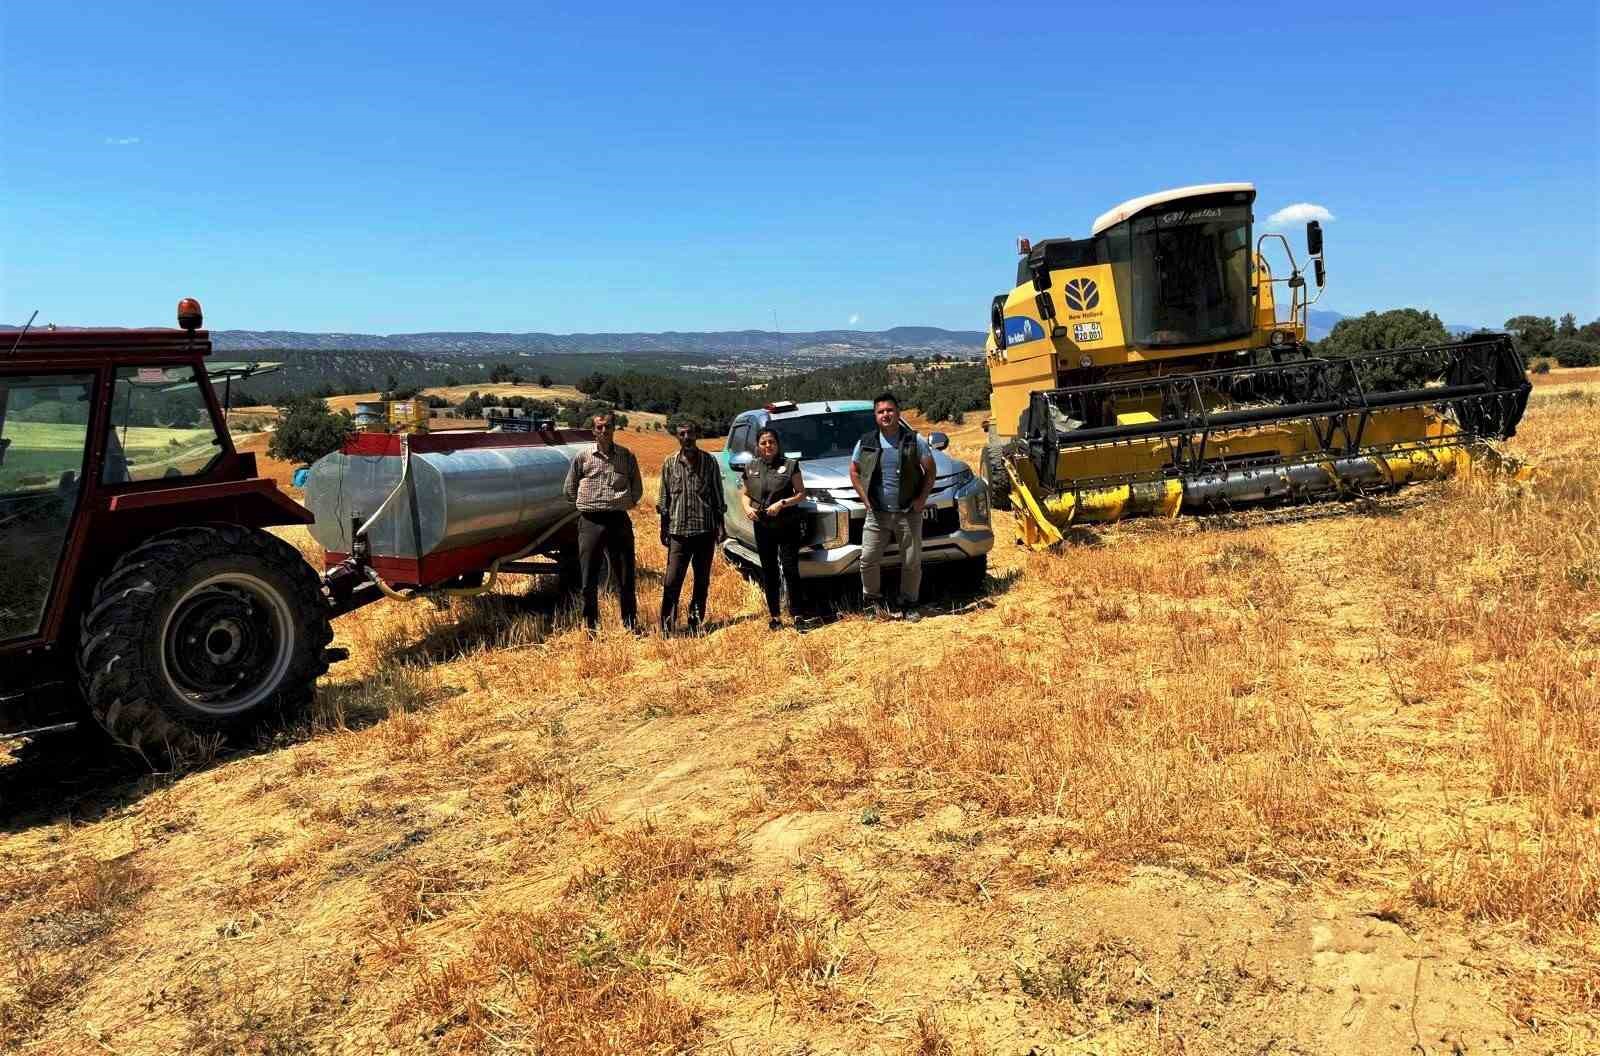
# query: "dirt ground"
{"type": "Point", "coordinates": [1320, 780]}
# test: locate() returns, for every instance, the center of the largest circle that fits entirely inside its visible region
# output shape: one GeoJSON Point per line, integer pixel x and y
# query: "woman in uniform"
{"type": "Point", "coordinates": [771, 489]}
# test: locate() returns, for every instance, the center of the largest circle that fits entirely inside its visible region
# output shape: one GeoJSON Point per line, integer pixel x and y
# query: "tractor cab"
{"type": "Point", "coordinates": [135, 576]}
{"type": "Point", "coordinates": [123, 418]}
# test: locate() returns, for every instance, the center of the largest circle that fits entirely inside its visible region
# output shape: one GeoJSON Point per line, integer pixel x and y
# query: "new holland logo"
{"type": "Point", "coordinates": [1082, 294]}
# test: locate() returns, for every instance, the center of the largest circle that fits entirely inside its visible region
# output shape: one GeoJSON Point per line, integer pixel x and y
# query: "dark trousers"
{"type": "Point", "coordinates": [610, 536]}
{"type": "Point", "coordinates": [780, 564]}
{"type": "Point", "coordinates": [682, 552]}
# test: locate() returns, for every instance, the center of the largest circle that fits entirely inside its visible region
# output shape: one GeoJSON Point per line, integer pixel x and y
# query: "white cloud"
{"type": "Point", "coordinates": [855, 317]}
{"type": "Point", "coordinates": [122, 141]}
{"type": "Point", "coordinates": [1299, 213]}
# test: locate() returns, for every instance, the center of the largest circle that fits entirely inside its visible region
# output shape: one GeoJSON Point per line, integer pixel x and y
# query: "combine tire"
{"type": "Point", "coordinates": [994, 471]}
{"type": "Point", "coordinates": [199, 633]}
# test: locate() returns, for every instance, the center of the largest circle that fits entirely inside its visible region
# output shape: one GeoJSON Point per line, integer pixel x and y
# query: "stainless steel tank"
{"type": "Point", "coordinates": [454, 498]}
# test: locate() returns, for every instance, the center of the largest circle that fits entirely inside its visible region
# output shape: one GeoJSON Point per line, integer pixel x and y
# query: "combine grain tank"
{"type": "Point", "coordinates": [434, 509]}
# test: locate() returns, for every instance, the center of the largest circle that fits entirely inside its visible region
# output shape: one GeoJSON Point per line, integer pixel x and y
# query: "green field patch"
{"type": "Point", "coordinates": [41, 451]}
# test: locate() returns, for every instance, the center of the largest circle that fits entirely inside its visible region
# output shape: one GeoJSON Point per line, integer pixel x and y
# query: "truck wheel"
{"type": "Point", "coordinates": [971, 575]}
{"type": "Point", "coordinates": [201, 632]}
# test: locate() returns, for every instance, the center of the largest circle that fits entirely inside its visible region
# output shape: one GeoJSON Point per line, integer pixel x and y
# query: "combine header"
{"type": "Point", "coordinates": [1165, 381]}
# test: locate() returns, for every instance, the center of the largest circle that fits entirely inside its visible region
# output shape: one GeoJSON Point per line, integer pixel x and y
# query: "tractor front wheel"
{"type": "Point", "coordinates": [199, 633]}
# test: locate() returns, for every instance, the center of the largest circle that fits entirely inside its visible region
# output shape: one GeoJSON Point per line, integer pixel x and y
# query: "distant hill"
{"type": "Point", "coordinates": [909, 340]}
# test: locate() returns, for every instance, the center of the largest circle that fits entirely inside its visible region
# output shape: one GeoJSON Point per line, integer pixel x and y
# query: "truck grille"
{"type": "Point", "coordinates": [944, 521]}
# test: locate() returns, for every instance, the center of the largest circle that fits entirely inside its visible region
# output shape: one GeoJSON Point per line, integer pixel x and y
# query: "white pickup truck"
{"type": "Point", "coordinates": [823, 435]}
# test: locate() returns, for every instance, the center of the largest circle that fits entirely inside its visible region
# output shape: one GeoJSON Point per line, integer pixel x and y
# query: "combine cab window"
{"type": "Point", "coordinates": [1191, 275]}
{"type": "Point", "coordinates": [44, 426]}
{"type": "Point", "coordinates": [160, 426]}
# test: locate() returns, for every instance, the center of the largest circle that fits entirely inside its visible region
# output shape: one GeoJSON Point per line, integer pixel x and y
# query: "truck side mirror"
{"type": "Point", "coordinates": [740, 460]}
{"type": "Point", "coordinates": [997, 321]}
{"type": "Point", "coordinates": [1313, 238]}
{"type": "Point", "coordinates": [938, 441]}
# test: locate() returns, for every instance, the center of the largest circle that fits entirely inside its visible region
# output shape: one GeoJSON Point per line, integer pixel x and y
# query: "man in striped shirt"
{"type": "Point", "coordinates": [692, 508]}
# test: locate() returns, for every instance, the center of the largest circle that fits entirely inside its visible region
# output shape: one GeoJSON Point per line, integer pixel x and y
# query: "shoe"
{"type": "Point", "coordinates": [774, 624]}
{"type": "Point", "coordinates": [873, 608]}
{"type": "Point", "coordinates": [907, 610]}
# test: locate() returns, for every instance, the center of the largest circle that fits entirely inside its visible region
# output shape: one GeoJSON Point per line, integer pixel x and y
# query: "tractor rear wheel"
{"type": "Point", "coordinates": [202, 632]}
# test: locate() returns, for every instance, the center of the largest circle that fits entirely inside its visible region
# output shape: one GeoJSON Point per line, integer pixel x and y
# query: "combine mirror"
{"type": "Point", "coordinates": [1314, 239]}
{"type": "Point", "coordinates": [997, 321]}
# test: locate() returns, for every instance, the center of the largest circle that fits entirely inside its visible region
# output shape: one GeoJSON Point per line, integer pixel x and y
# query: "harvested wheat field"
{"type": "Point", "coordinates": [1299, 781]}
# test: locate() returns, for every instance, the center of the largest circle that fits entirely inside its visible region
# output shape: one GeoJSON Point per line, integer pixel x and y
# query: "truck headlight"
{"type": "Point", "coordinates": [974, 509]}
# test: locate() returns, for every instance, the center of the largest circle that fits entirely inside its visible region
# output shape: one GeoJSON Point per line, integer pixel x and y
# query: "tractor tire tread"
{"type": "Point", "coordinates": [127, 699]}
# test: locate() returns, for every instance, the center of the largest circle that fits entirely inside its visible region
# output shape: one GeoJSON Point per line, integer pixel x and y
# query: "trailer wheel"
{"type": "Point", "coordinates": [202, 632]}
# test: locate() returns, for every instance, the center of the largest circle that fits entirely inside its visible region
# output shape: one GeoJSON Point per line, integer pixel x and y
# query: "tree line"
{"type": "Point", "coordinates": [942, 391]}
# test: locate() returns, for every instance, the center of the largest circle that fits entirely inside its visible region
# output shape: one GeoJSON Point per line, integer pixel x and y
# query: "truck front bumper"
{"type": "Point", "coordinates": [836, 550]}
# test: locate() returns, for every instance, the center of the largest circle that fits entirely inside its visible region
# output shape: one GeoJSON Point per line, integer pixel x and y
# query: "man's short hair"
{"type": "Point", "coordinates": [886, 397]}
{"type": "Point", "coordinates": [685, 423]}
{"type": "Point", "coordinates": [608, 414]}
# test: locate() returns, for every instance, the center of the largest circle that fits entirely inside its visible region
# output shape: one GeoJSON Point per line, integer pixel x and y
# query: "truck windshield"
{"type": "Point", "coordinates": [823, 435]}
{"type": "Point", "coordinates": [1191, 275]}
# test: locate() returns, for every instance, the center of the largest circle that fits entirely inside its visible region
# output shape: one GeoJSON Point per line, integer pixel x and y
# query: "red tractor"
{"type": "Point", "coordinates": [138, 583]}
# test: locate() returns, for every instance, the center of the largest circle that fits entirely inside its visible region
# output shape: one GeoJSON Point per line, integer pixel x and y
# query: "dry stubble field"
{"type": "Point", "coordinates": [1299, 782]}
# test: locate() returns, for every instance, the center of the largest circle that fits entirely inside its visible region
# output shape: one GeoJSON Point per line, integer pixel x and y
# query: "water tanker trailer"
{"type": "Point", "coordinates": [402, 513]}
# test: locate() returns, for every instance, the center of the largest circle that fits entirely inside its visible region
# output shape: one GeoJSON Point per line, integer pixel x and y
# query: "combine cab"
{"type": "Point", "coordinates": [1145, 370]}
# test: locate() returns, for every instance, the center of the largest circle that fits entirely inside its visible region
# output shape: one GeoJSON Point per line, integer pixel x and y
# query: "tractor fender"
{"type": "Point", "coordinates": [255, 503]}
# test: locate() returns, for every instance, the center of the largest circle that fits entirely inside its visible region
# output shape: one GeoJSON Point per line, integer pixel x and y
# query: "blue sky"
{"type": "Point", "coordinates": [398, 167]}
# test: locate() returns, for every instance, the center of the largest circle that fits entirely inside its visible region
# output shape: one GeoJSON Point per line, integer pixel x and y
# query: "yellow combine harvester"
{"type": "Point", "coordinates": [1145, 370]}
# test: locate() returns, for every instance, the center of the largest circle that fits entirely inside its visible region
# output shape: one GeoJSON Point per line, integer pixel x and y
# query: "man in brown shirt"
{"type": "Point", "coordinates": [605, 484]}
{"type": "Point", "coordinates": [692, 508]}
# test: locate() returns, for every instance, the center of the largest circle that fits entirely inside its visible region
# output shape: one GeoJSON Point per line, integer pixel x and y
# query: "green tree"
{"type": "Point", "coordinates": [1574, 352]}
{"type": "Point", "coordinates": [1533, 333]}
{"type": "Point", "coordinates": [472, 406]}
{"type": "Point", "coordinates": [1379, 331]}
{"type": "Point", "coordinates": [1568, 327]}
{"type": "Point", "coordinates": [307, 430]}
{"type": "Point", "coordinates": [545, 381]}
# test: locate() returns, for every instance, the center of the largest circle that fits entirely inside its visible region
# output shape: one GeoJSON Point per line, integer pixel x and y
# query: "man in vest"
{"type": "Point", "coordinates": [892, 470]}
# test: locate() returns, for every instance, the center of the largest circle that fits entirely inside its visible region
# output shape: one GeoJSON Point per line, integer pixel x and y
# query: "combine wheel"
{"type": "Point", "coordinates": [994, 471]}
{"type": "Point", "coordinates": [202, 632]}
